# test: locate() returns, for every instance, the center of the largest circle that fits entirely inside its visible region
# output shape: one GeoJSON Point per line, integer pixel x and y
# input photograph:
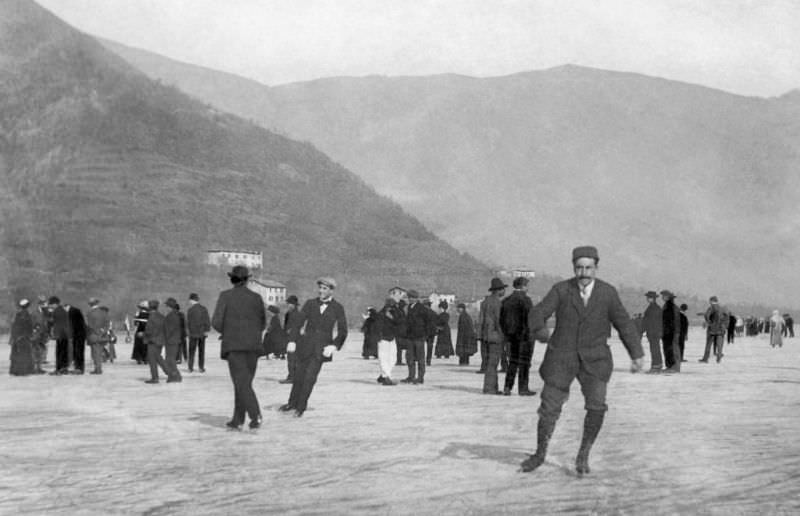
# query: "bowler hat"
{"type": "Point", "coordinates": [171, 302]}
{"type": "Point", "coordinates": [292, 300]}
{"type": "Point", "coordinates": [461, 305]}
{"type": "Point", "coordinates": [239, 272]}
{"type": "Point", "coordinates": [327, 281]}
{"type": "Point", "coordinates": [497, 284]}
{"type": "Point", "coordinates": [194, 297]}
{"type": "Point", "coordinates": [667, 293]}
{"type": "Point", "coordinates": [651, 293]}
{"type": "Point", "coordinates": [585, 251]}
{"type": "Point", "coordinates": [53, 301]}
{"type": "Point", "coordinates": [413, 294]}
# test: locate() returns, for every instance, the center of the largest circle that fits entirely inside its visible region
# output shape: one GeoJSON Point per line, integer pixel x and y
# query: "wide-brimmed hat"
{"type": "Point", "coordinates": [497, 284]}
{"type": "Point", "coordinates": [667, 293]}
{"type": "Point", "coordinates": [327, 281]}
{"type": "Point", "coordinates": [585, 251]}
{"type": "Point", "coordinates": [651, 294]}
{"type": "Point", "coordinates": [292, 300]}
{"type": "Point", "coordinates": [239, 272]}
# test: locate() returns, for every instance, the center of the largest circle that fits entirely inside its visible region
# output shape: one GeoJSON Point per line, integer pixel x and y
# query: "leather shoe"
{"type": "Point", "coordinates": [388, 382]}
{"type": "Point", "coordinates": [499, 393]}
{"type": "Point", "coordinates": [232, 425]}
{"type": "Point", "coordinates": [255, 423]}
{"type": "Point", "coordinates": [286, 380]}
{"type": "Point", "coordinates": [286, 408]}
{"type": "Point", "coordinates": [531, 463]}
{"type": "Point", "coordinates": [175, 379]}
{"type": "Point", "coordinates": [705, 361]}
{"type": "Point", "coordinates": [407, 380]}
{"type": "Point", "coordinates": [418, 381]}
{"type": "Point", "coordinates": [152, 380]}
{"type": "Point", "coordinates": [380, 379]}
{"type": "Point", "coordinates": [506, 392]}
{"type": "Point", "coordinates": [298, 413]}
{"type": "Point", "coordinates": [527, 393]}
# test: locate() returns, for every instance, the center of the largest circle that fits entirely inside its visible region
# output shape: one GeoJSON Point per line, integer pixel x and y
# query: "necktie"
{"type": "Point", "coordinates": [584, 296]}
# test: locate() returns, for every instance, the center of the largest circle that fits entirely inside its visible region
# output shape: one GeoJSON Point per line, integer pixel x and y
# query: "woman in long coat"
{"type": "Point", "coordinates": [371, 335]}
{"type": "Point", "coordinates": [466, 344]}
{"type": "Point", "coordinates": [776, 329]}
{"type": "Point", "coordinates": [21, 342]}
{"type": "Point", "coordinates": [444, 343]}
{"type": "Point", "coordinates": [275, 339]}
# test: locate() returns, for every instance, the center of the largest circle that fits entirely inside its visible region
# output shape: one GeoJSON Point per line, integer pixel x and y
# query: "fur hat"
{"type": "Point", "coordinates": [585, 251]}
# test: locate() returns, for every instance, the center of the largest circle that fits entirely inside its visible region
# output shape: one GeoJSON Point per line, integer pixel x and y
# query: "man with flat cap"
{"type": "Point", "coordinates": [671, 333]}
{"type": "Point", "coordinates": [652, 322]}
{"type": "Point", "coordinates": [240, 318]}
{"type": "Point", "coordinates": [585, 309]}
{"type": "Point", "coordinates": [491, 335]}
{"type": "Point", "coordinates": [318, 332]}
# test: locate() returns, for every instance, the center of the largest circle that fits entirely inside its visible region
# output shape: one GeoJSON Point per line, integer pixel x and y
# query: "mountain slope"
{"type": "Point", "coordinates": [114, 185]}
{"type": "Point", "coordinates": [680, 186]}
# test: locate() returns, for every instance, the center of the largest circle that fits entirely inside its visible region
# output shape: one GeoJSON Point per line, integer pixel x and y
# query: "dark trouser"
{"type": "Point", "coordinates": [155, 360]}
{"type": "Point", "coordinates": [139, 350]}
{"type": "Point", "coordinates": [520, 352]}
{"type": "Point", "coordinates": [715, 342]}
{"type": "Point", "coordinates": [171, 353]}
{"type": "Point", "coordinates": [97, 356]}
{"type": "Point", "coordinates": [181, 352]}
{"type": "Point", "coordinates": [504, 357]}
{"type": "Point", "coordinates": [62, 354]}
{"type": "Point", "coordinates": [401, 345]}
{"type": "Point", "coordinates": [732, 334]}
{"type": "Point", "coordinates": [484, 355]}
{"type": "Point", "coordinates": [655, 352]}
{"type": "Point", "coordinates": [463, 359]}
{"type": "Point", "coordinates": [429, 349]}
{"type": "Point", "coordinates": [291, 364]}
{"type": "Point", "coordinates": [415, 354]}
{"type": "Point", "coordinates": [682, 345]}
{"type": "Point", "coordinates": [78, 358]}
{"type": "Point", "coordinates": [305, 376]}
{"type": "Point", "coordinates": [669, 356]}
{"type": "Point", "coordinates": [197, 344]}
{"type": "Point", "coordinates": [495, 349]}
{"type": "Point", "coordinates": [242, 368]}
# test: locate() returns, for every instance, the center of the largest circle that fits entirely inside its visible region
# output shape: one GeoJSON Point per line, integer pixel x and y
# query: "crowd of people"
{"type": "Point", "coordinates": [405, 328]}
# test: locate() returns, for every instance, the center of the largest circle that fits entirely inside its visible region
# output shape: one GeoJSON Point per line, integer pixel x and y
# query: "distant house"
{"type": "Point", "coordinates": [273, 292]}
{"type": "Point", "coordinates": [227, 257]}
{"type": "Point", "coordinates": [518, 272]}
{"type": "Point", "coordinates": [436, 298]}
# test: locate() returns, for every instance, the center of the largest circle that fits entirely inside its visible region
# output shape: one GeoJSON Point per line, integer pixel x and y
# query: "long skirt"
{"type": "Point", "coordinates": [21, 357]}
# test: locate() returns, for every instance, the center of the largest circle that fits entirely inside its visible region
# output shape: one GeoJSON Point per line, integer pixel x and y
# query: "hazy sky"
{"type": "Point", "coordinates": [750, 47]}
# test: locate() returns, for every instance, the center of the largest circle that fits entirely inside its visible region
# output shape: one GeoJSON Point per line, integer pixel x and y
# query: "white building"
{"type": "Point", "coordinates": [518, 272]}
{"type": "Point", "coordinates": [226, 257]}
{"type": "Point", "coordinates": [273, 292]}
{"type": "Point", "coordinates": [436, 298]}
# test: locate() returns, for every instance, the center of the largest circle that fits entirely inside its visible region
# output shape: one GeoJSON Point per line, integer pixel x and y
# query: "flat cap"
{"type": "Point", "coordinates": [327, 281]}
{"type": "Point", "coordinates": [585, 251]}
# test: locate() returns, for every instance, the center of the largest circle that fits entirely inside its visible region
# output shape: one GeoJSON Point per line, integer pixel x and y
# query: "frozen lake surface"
{"type": "Point", "coordinates": [716, 439]}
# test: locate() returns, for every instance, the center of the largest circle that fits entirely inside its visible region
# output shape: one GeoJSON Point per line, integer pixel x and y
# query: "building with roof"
{"type": "Point", "coordinates": [231, 257]}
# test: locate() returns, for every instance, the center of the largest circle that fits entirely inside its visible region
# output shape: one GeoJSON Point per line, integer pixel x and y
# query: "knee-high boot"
{"type": "Point", "coordinates": [543, 433]}
{"type": "Point", "coordinates": [591, 427]}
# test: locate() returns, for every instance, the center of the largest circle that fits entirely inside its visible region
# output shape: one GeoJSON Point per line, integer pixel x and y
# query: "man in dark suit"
{"type": "Point", "coordinates": [652, 327]}
{"type": "Point", "coordinates": [671, 333]}
{"type": "Point", "coordinates": [155, 338]}
{"type": "Point", "coordinates": [684, 330]}
{"type": "Point", "coordinates": [77, 327]}
{"type": "Point", "coordinates": [97, 326]}
{"type": "Point", "coordinates": [318, 317]}
{"type": "Point", "coordinates": [514, 311]}
{"type": "Point", "coordinates": [585, 308]}
{"type": "Point", "coordinates": [173, 329]}
{"type": "Point", "coordinates": [419, 324]}
{"type": "Point", "coordinates": [240, 319]}
{"type": "Point", "coordinates": [60, 332]}
{"type": "Point", "coordinates": [199, 324]}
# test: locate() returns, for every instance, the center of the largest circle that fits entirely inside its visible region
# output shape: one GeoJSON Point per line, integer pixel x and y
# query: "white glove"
{"type": "Point", "coordinates": [291, 347]}
{"type": "Point", "coordinates": [328, 350]}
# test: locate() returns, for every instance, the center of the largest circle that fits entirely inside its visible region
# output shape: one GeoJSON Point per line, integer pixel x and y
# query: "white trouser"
{"type": "Point", "coordinates": [387, 355]}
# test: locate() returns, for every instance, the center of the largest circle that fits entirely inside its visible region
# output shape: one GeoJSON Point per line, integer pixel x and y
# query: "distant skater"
{"type": "Point", "coordinates": [466, 343]}
{"type": "Point", "coordinates": [585, 308]}
{"type": "Point", "coordinates": [777, 325]}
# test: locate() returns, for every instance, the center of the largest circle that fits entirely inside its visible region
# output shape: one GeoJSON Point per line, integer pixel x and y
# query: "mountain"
{"type": "Point", "coordinates": [680, 186]}
{"type": "Point", "coordinates": [114, 185]}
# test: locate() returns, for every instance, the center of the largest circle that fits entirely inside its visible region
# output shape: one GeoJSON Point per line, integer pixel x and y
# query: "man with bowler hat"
{"type": "Point", "coordinates": [514, 311]}
{"type": "Point", "coordinates": [318, 332]}
{"type": "Point", "coordinates": [491, 334]}
{"type": "Point", "coordinates": [290, 320]}
{"type": "Point", "coordinates": [652, 325]}
{"type": "Point", "coordinates": [199, 324]}
{"type": "Point", "coordinates": [585, 309]}
{"type": "Point", "coordinates": [240, 319]}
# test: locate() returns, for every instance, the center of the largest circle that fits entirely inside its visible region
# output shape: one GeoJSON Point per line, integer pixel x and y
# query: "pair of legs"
{"type": "Point", "coordinates": [715, 342]}
{"type": "Point", "coordinates": [656, 363]}
{"type": "Point", "coordinates": [415, 357]}
{"type": "Point", "coordinates": [672, 352]}
{"type": "Point", "coordinates": [305, 377]}
{"type": "Point", "coordinates": [387, 349]}
{"type": "Point", "coordinates": [520, 352]}
{"type": "Point", "coordinates": [197, 345]}
{"type": "Point", "coordinates": [78, 360]}
{"type": "Point", "coordinates": [554, 394]}
{"type": "Point", "coordinates": [495, 350]}
{"type": "Point", "coordinates": [62, 355]}
{"type": "Point", "coordinates": [242, 368]}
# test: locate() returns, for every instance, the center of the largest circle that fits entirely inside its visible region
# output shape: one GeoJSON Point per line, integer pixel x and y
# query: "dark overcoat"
{"type": "Point", "coordinates": [60, 328]}
{"type": "Point", "coordinates": [197, 321]}
{"type": "Point", "coordinates": [314, 328]}
{"type": "Point", "coordinates": [240, 318]}
{"type": "Point", "coordinates": [76, 323]}
{"type": "Point", "coordinates": [155, 332]}
{"type": "Point", "coordinates": [514, 310]}
{"type": "Point", "coordinates": [172, 328]}
{"type": "Point", "coordinates": [466, 343]}
{"type": "Point", "coordinates": [581, 333]}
